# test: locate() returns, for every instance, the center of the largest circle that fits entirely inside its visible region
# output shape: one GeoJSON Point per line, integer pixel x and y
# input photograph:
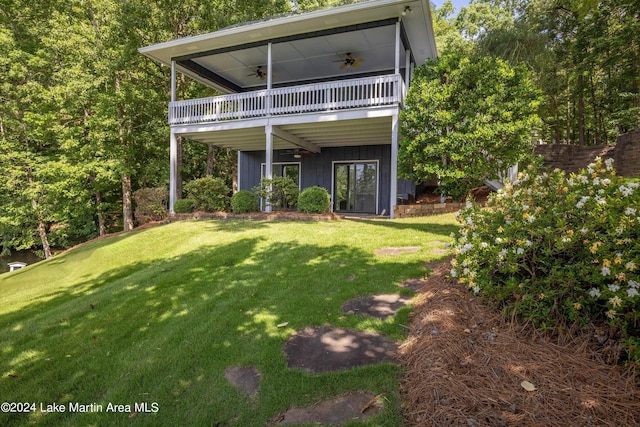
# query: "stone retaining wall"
{"type": "Point", "coordinates": [408, 211]}
{"type": "Point", "coordinates": [572, 158]}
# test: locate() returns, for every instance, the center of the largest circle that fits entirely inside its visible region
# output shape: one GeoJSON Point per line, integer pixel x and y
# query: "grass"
{"type": "Point", "coordinates": [155, 316]}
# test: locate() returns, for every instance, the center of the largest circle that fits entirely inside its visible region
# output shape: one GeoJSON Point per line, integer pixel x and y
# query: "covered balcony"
{"type": "Point", "coordinates": [318, 97]}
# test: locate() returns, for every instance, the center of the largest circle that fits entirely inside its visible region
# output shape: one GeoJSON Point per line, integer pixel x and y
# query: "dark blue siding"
{"type": "Point", "coordinates": [318, 169]}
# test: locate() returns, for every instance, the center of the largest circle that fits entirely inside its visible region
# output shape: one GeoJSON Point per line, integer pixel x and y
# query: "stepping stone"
{"type": "Point", "coordinates": [397, 250]}
{"type": "Point", "coordinates": [342, 409]}
{"type": "Point", "coordinates": [246, 378]}
{"type": "Point", "coordinates": [379, 306]}
{"type": "Point", "coordinates": [328, 349]}
{"type": "Point", "coordinates": [414, 284]}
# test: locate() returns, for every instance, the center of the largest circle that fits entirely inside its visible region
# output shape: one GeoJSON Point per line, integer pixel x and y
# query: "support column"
{"type": "Point", "coordinates": [173, 81]}
{"type": "Point", "coordinates": [397, 57]}
{"type": "Point", "coordinates": [393, 190]}
{"type": "Point", "coordinates": [268, 163]}
{"type": "Point", "coordinates": [173, 170]}
{"type": "Point", "coordinates": [173, 148]}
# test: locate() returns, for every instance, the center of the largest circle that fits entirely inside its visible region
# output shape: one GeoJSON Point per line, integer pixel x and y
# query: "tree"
{"type": "Point", "coordinates": [468, 118]}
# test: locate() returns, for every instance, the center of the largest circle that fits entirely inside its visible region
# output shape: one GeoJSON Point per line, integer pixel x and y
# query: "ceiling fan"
{"type": "Point", "coordinates": [259, 73]}
{"type": "Point", "coordinates": [296, 153]}
{"type": "Point", "coordinates": [349, 61]}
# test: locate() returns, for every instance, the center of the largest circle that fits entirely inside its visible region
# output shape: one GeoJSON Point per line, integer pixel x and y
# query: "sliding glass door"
{"type": "Point", "coordinates": [356, 187]}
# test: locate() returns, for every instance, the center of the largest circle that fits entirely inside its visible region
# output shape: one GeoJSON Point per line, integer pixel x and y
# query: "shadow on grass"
{"type": "Point", "coordinates": [164, 331]}
{"type": "Point", "coordinates": [440, 229]}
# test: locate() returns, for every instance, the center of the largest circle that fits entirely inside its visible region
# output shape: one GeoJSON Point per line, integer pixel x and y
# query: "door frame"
{"type": "Point", "coordinates": [333, 179]}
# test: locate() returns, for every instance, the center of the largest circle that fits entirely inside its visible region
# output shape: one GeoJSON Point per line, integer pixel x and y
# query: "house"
{"type": "Point", "coordinates": [315, 96]}
{"type": "Point", "coordinates": [16, 265]}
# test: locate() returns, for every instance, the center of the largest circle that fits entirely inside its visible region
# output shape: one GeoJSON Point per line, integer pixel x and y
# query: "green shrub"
{"type": "Point", "coordinates": [556, 249]}
{"type": "Point", "coordinates": [151, 204]}
{"type": "Point", "coordinates": [281, 192]}
{"type": "Point", "coordinates": [208, 194]}
{"type": "Point", "coordinates": [244, 201]}
{"type": "Point", "coordinates": [183, 206]}
{"type": "Point", "coordinates": [314, 200]}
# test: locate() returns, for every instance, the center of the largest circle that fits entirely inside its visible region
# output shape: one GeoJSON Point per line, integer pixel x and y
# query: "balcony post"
{"type": "Point", "coordinates": [173, 169]}
{"type": "Point", "coordinates": [393, 190]}
{"type": "Point", "coordinates": [268, 163]}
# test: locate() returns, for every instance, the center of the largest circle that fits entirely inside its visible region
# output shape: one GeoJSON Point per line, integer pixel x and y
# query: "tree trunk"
{"type": "Point", "coordinates": [580, 111]}
{"type": "Point", "coordinates": [42, 230]}
{"type": "Point", "coordinates": [127, 208]}
{"type": "Point", "coordinates": [102, 227]}
{"type": "Point", "coordinates": [210, 159]}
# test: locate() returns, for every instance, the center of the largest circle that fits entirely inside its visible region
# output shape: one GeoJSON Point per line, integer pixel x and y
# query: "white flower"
{"type": "Point", "coordinates": [633, 284]}
{"type": "Point", "coordinates": [528, 242]}
{"type": "Point", "coordinates": [498, 240]}
{"type": "Point", "coordinates": [605, 271]}
{"type": "Point", "coordinates": [594, 292]}
{"type": "Point", "coordinates": [632, 292]}
{"type": "Point", "coordinates": [615, 301]}
{"type": "Point", "coordinates": [606, 182]}
{"type": "Point", "coordinates": [630, 211]}
{"type": "Point", "coordinates": [531, 218]}
{"type": "Point", "coordinates": [609, 163]}
{"type": "Point", "coordinates": [566, 239]}
{"type": "Point", "coordinates": [476, 289]}
{"type": "Point", "coordinates": [630, 266]}
{"type": "Point", "coordinates": [584, 230]}
{"type": "Point", "coordinates": [626, 190]}
{"type": "Point", "coordinates": [453, 273]}
{"type": "Point", "coordinates": [614, 288]}
{"type": "Point", "coordinates": [520, 251]}
{"type": "Point", "coordinates": [484, 245]}
{"type": "Point", "coordinates": [583, 179]}
{"type": "Point", "coordinates": [596, 181]}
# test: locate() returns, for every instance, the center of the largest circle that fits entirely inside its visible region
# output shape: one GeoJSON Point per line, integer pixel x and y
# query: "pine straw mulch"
{"type": "Point", "coordinates": [465, 365]}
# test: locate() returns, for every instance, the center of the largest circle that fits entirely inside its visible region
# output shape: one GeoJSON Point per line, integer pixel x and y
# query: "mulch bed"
{"type": "Point", "coordinates": [466, 366]}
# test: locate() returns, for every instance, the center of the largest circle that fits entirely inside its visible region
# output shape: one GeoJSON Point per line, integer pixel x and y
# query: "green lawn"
{"type": "Point", "coordinates": [156, 316]}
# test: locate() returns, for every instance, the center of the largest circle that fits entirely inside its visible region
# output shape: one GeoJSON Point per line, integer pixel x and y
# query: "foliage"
{"type": "Point", "coordinates": [151, 204]}
{"type": "Point", "coordinates": [583, 54]}
{"type": "Point", "coordinates": [467, 119]}
{"type": "Point", "coordinates": [314, 200]}
{"type": "Point", "coordinates": [557, 249]}
{"type": "Point", "coordinates": [244, 201]}
{"type": "Point", "coordinates": [208, 194]}
{"type": "Point", "coordinates": [281, 192]}
{"type": "Point", "coordinates": [183, 206]}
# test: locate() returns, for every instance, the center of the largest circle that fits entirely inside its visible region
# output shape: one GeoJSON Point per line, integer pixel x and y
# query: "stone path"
{"type": "Point", "coordinates": [329, 349]}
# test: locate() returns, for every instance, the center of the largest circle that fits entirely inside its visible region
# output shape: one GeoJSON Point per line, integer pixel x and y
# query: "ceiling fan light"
{"type": "Point", "coordinates": [407, 9]}
{"type": "Point", "coordinates": [297, 156]}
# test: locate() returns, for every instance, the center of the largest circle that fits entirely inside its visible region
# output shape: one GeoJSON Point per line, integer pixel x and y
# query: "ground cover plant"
{"type": "Point", "coordinates": [559, 250]}
{"type": "Point", "coordinates": [155, 316]}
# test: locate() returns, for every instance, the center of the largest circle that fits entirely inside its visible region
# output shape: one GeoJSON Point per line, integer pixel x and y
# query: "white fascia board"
{"type": "Point", "coordinates": [281, 27]}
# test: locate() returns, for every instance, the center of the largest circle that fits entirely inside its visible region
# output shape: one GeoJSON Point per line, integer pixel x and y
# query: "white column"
{"type": "Point", "coordinates": [407, 73]}
{"type": "Point", "coordinates": [393, 190]}
{"type": "Point", "coordinates": [268, 166]}
{"type": "Point", "coordinates": [173, 81]}
{"type": "Point", "coordinates": [173, 147]}
{"type": "Point", "coordinates": [173, 169]}
{"type": "Point", "coordinates": [238, 171]}
{"type": "Point", "coordinates": [269, 80]}
{"type": "Point", "coordinates": [397, 58]}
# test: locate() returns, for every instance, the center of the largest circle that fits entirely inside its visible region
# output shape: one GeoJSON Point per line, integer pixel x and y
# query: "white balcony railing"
{"type": "Point", "coordinates": [343, 94]}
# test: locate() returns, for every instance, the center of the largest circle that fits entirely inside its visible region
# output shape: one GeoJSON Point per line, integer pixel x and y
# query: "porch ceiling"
{"type": "Point", "coordinates": [369, 131]}
{"type": "Point", "coordinates": [304, 46]}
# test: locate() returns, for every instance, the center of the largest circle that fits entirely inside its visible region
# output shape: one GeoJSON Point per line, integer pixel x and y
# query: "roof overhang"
{"type": "Point", "coordinates": [305, 47]}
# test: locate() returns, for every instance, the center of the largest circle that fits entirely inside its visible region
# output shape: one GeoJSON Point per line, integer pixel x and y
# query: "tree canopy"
{"type": "Point", "coordinates": [467, 119]}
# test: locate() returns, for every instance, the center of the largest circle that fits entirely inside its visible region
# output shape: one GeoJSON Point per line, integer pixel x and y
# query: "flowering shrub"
{"type": "Point", "coordinates": [555, 249]}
